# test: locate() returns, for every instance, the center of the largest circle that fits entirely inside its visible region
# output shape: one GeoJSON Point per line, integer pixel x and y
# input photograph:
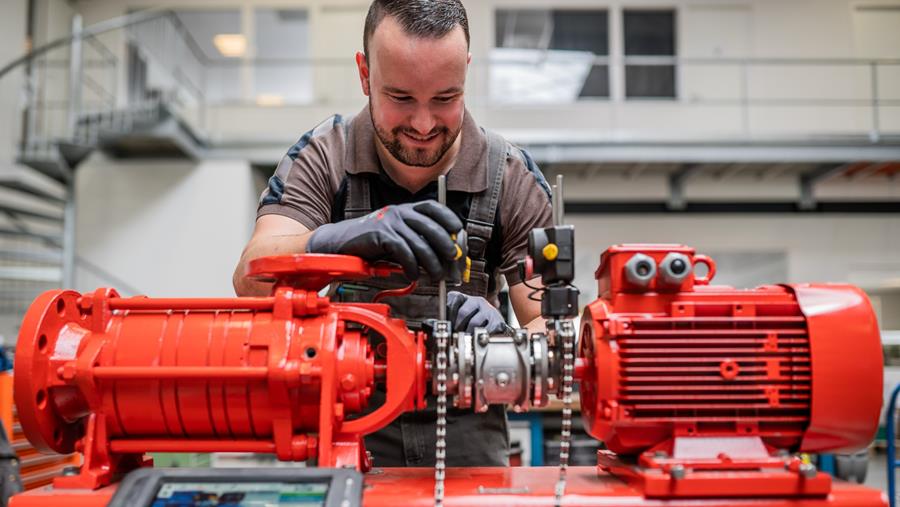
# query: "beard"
{"type": "Point", "coordinates": [416, 157]}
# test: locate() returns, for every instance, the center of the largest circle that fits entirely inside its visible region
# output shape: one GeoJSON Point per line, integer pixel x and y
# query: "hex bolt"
{"type": "Point", "coordinates": [677, 471]}
{"type": "Point", "coordinates": [808, 470]}
{"type": "Point", "coordinates": [483, 339]}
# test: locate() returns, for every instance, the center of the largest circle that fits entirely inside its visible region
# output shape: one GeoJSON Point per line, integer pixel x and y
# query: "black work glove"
{"type": "Point", "coordinates": [465, 313]}
{"type": "Point", "coordinates": [412, 235]}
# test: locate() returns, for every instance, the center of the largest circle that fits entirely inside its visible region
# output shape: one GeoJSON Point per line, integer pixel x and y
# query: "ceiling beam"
{"type": "Point", "coordinates": [731, 207]}
{"type": "Point", "coordinates": [723, 153]}
{"type": "Point", "coordinates": [808, 181]}
{"type": "Point", "coordinates": [636, 170]}
{"type": "Point", "coordinates": [677, 180]}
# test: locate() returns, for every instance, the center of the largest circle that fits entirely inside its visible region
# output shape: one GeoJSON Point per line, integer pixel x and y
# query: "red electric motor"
{"type": "Point", "coordinates": [695, 380]}
{"type": "Point", "coordinates": [115, 377]}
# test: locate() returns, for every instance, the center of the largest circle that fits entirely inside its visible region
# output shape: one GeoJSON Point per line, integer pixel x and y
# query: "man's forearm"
{"type": "Point", "coordinates": [262, 247]}
{"type": "Point", "coordinates": [538, 324]}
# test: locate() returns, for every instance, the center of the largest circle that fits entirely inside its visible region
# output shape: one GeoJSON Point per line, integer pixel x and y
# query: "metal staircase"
{"type": "Point", "coordinates": [75, 106]}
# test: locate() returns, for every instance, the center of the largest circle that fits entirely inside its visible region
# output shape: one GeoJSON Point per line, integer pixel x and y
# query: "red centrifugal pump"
{"type": "Point", "coordinates": [704, 395]}
{"type": "Point", "coordinates": [698, 380]}
{"type": "Point", "coordinates": [115, 377]}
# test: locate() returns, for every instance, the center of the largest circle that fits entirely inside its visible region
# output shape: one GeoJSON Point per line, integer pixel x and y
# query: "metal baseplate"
{"type": "Point", "coordinates": [512, 486]}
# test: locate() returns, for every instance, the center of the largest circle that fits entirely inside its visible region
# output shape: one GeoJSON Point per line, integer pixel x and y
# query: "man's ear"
{"type": "Point", "coordinates": [469, 59]}
{"type": "Point", "coordinates": [363, 66]}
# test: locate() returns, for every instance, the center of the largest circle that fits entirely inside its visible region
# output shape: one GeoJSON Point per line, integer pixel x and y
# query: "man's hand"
{"type": "Point", "coordinates": [412, 235]}
{"type": "Point", "coordinates": [466, 313]}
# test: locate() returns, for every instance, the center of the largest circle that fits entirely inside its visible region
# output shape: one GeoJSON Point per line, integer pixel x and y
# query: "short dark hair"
{"type": "Point", "coordinates": [420, 18]}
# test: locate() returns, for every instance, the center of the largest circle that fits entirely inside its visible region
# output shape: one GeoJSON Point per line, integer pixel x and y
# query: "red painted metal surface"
{"type": "Point", "coordinates": [315, 271]}
{"type": "Point", "coordinates": [717, 380]}
{"type": "Point", "coordinates": [846, 366]}
{"type": "Point", "coordinates": [496, 486]}
{"type": "Point", "coordinates": [114, 378]}
{"type": "Point", "coordinates": [695, 386]}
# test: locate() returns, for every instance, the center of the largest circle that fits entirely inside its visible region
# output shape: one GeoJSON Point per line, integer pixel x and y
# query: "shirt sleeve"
{"type": "Point", "coordinates": [524, 205]}
{"type": "Point", "coordinates": [307, 178]}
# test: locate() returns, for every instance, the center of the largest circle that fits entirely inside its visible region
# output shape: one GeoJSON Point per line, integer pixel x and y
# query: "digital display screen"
{"type": "Point", "coordinates": [241, 494]}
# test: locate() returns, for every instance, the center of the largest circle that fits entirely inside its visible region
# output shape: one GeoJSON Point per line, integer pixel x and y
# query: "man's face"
{"type": "Point", "coordinates": [415, 88]}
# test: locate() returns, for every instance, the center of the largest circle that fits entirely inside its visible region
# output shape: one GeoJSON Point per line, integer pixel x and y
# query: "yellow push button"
{"type": "Point", "coordinates": [551, 251]}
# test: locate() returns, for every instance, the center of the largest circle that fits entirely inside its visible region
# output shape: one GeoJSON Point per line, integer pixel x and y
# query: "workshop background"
{"type": "Point", "coordinates": [765, 133]}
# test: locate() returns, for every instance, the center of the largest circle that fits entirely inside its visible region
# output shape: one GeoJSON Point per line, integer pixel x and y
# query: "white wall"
{"type": "Point", "coordinates": [165, 228]}
{"type": "Point", "coordinates": [611, 185]}
{"type": "Point", "coordinates": [859, 249]}
{"type": "Point", "coordinates": [826, 248]}
{"type": "Point", "coordinates": [53, 19]}
{"type": "Point", "coordinates": [131, 231]}
{"type": "Point", "coordinates": [12, 45]}
{"type": "Point", "coordinates": [727, 29]}
{"type": "Point", "coordinates": [820, 29]}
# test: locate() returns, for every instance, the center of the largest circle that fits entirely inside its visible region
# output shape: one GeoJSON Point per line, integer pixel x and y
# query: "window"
{"type": "Point", "coordinates": [649, 33]}
{"type": "Point", "coordinates": [550, 55]}
{"type": "Point", "coordinates": [585, 31]}
{"type": "Point", "coordinates": [282, 74]}
{"type": "Point", "coordinates": [212, 32]}
{"type": "Point", "coordinates": [270, 68]}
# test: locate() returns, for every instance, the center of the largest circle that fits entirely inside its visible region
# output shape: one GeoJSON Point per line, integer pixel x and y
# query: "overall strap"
{"type": "Point", "coordinates": [359, 197]}
{"type": "Point", "coordinates": [480, 222]}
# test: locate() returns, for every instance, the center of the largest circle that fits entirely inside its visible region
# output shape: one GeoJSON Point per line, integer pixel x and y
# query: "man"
{"type": "Point", "coordinates": [366, 186]}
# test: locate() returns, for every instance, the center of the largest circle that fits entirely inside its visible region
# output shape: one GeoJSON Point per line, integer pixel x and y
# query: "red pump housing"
{"type": "Point", "coordinates": [697, 387]}
{"type": "Point", "coordinates": [117, 377]}
{"type": "Point", "coordinates": [693, 377]}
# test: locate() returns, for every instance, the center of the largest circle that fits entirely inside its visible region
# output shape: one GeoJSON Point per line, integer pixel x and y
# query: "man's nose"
{"type": "Point", "coordinates": [422, 121]}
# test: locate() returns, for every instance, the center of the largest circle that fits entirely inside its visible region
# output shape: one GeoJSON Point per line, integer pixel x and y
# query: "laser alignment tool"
{"type": "Point", "coordinates": [704, 395]}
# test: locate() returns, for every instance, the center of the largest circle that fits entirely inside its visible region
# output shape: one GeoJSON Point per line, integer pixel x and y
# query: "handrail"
{"type": "Point", "coordinates": [596, 60]}
{"type": "Point", "coordinates": [93, 30]}
{"type": "Point", "coordinates": [150, 14]}
{"type": "Point", "coordinates": [890, 422]}
{"type": "Point", "coordinates": [196, 50]}
{"type": "Point", "coordinates": [697, 60]}
{"type": "Point", "coordinates": [101, 48]}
